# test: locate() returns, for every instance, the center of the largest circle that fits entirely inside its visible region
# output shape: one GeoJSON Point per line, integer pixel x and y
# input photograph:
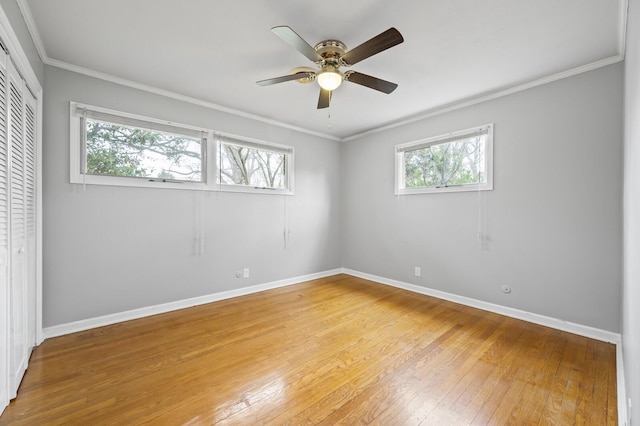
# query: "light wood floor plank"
{"type": "Point", "coordinates": [339, 350]}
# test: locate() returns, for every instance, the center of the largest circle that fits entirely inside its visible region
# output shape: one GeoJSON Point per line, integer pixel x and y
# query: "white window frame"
{"type": "Point", "coordinates": [209, 157]}
{"type": "Point", "coordinates": [288, 151]}
{"type": "Point", "coordinates": [400, 175]}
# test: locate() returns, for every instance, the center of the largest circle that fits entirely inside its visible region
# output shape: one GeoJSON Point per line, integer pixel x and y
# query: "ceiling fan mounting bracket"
{"type": "Point", "coordinates": [331, 49]}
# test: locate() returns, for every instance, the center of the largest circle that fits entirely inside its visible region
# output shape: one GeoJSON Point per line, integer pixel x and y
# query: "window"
{"type": "Point", "coordinates": [244, 165]}
{"type": "Point", "coordinates": [460, 161]}
{"type": "Point", "coordinates": [114, 148]}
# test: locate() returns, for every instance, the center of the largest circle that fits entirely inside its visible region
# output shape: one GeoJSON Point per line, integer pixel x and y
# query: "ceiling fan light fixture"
{"type": "Point", "coordinates": [329, 78]}
{"type": "Point", "coordinates": [329, 56]}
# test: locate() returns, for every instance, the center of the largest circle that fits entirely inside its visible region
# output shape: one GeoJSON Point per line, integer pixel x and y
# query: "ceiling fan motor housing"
{"type": "Point", "coordinates": [329, 77]}
{"type": "Point", "coordinates": [331, 49]}
{"type": "Point", "coordinates": [329, 56]}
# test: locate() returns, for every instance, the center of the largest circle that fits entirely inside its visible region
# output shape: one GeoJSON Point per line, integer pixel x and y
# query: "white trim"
{"type": "Point", "coordinates": [622, 36]}
{"type": "Point", "coordinates": [439, 110]}
{"type": "Point", "coordinates": [172, 95]}
{"type": "Point", "coordinates": [209, 159]}
{"type": "Point", "coordinates": [467, 102]}
{"type": "Point", "coordinates": [249, 142]}
{"type": "Point", "coordinates": [623, 413]}
{"type": "Point", "coordinates": [37, 41]}
{"type": "Point", "coordinates": [246, 189]}
{"type": "Point", "coordinates": [579, 329]}
{"type": "Point", "coordinates": [462, 103]}
{"type": "Point", "coordinates": [21, 62]}
{"type": "Point", "coordinates": [582, 330]}
{"type": "Point", "coordinates": [39, 336]}
{"type": "Point", "coordinates": [136, 120]}
{"type": "Point", "coordinates": [18, 56]}
{"type": "Point", "coordinates": [86, 324]}
{"type": "Point", "coordinates": [400, 164]}
{"type": "Point", "coordinates": [33, 30]}
{"type": "Point", "coordinates": [253, 143]}
{"type": "Point", "coordinates": [77, 148]}
{"type": "Point", "coordinates": [570, 327]}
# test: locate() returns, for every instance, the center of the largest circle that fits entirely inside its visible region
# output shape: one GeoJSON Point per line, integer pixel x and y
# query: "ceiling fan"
{"type": "Point", "coordinates": [329, 56]}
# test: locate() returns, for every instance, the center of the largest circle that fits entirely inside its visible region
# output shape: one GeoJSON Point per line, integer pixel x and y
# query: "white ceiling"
{"type": "Point", "coordinates": [215, 51]}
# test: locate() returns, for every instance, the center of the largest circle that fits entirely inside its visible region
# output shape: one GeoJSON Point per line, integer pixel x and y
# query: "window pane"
{"type": "Point", "coordinates": [460, 162]}
{"type": "Point", "coordinates": [117, 150]}
{"type": "Point", "coordinates": [240, 165]}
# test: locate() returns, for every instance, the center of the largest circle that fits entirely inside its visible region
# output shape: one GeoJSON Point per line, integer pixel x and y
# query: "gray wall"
{"type": "Point", "coordinates": [112, 249]}
{"type": "Point", "coordinates": [12, 11]}
{"type": "Point", "coordinates": [631, 283]}
{"type": "Point", "coordinates": [553, 219]}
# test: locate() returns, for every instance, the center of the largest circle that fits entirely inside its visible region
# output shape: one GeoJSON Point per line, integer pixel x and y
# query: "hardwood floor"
{"type": "Point", "coordinates": [339, 350]}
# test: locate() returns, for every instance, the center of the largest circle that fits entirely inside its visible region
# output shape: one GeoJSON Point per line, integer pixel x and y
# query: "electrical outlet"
{"type": "Point", "coordinates": [418, 271]}
{"type": "Point", "coordinates": [245, 273]}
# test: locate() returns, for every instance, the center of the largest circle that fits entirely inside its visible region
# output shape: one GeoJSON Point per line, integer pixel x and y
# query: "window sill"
{"type": "Point", "coordinates": [439, 189]}
{"type": "Point", "coordinates": [159, 183]}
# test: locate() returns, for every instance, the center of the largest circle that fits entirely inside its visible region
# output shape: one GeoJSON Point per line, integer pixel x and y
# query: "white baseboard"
{"type": "Point", "coordinates": [581, 330]}
{"type": "Point", "coordinates": [623, 414]}
{"type": "Point", "coordinates": [86, 324]}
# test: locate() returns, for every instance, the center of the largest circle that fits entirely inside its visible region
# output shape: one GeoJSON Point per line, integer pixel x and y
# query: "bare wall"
{"type": "Point", "coordinates": [553, 221]}
{"type": "Point", "coordinates": [631, 286]}
{"type": "Point", "coordinates": [113, 249]}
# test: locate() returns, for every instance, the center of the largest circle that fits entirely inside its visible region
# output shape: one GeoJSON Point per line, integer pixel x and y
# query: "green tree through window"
{"type": "Point", "coordinates": [454, 163]}
{"type": "Point", "coordinates": [117, 150]}
{"type": "Point", "coordinates": [123, 149]}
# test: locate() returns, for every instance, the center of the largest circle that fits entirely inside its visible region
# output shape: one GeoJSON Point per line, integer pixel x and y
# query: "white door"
{"type": "Point", "coordinates": [30, 215]}
{"type": "Point", "coordinates": [19, 224]}
{"type": "Point", "coordinates": [18, 293]}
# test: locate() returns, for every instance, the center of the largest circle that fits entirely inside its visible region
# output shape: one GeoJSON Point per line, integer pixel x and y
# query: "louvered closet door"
{"type": "Point", "coordinates": [19, 342]}
{"type": "Point", "coordinates": [30, 214]}
{"type": "Point", "coordinates": [4, 241]}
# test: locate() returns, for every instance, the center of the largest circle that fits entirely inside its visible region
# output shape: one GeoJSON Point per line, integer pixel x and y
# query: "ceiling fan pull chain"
{"type": "Point", "coordinates": [329, 118]}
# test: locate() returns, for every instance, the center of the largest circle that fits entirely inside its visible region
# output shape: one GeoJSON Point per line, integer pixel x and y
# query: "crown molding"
{"type": "Point", "coordinates": [33, 30]}
{"type": "Point", "coordinates": [622, 35]}
{"type": "Point", "coordinates": [173, 95]}
{"type": "Point", "coordinates": [459, 104]}
{"type": "Point", "coordinates": [464, 103]}
{"type": "Point", "coordinates": [37, 40]}
{"type": "Point", "coordinates": [17, 54]}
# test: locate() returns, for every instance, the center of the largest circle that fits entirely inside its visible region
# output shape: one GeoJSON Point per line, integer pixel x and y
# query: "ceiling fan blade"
{"type": "Point", "coordinates": [325, 98]}
{"type": "Point", "coordinates": [296, 76]}
{"type": "Point", "coordinates": [382, 41]}
{"type": "Point", "coordinates": [370, 82]}
{"type": "Point", "coordinates": [294, 40]}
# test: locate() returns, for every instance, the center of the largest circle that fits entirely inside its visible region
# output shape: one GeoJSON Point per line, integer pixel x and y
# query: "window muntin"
{"type": "Point", "coordinates": [460, 161]}
{"type": "Point", "coordinates": [123, 150]}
